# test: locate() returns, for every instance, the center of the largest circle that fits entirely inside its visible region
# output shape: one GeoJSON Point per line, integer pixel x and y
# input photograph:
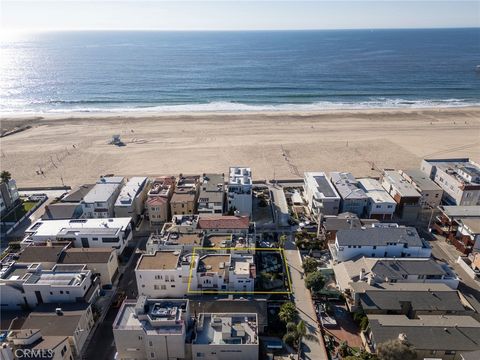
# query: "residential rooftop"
{"type": "Point", "coordinates": [212, 186]}
{"type": "Point", "coordinates": [61, 210]}
{"type": "Point", "coordinates": [87, 255]}
{"type": "Point", "coordinates": [380, 236]}
{"type": "Point", "coordinates": [101, 192]}
{"type": "Point", "coordinates": [375, 191]}
{"type": "Point", "coordinates": [46, 318]}
{"type": "Point", "coordinates": [447, 300]}
{"type": "Point", "coordinates": [240, 176]}
{"type": "Point", "coordinates": [48, 254]}
{"type": "Point", "coordinates": [161, 260]}
{"type": "Point", "coordinates": [401, 185]}
{"type": "Point", "coordinates": [422, 181]}
{"type": "Point", "coordinates": [154, 316]}
{"type": "Point", "coordinates": [345, 220]}
{"type": "Point", "coordinates": [53, 228]}
{"type": "Point", "coordinates": [129, 192]}
{"type": "Point", "coordinates": [435, 332]}
{"type": "Point", "coordinates": [77, 194]}
{"type": "Point", "coordinates": [225, 329]}
{"type": "Point", "coordinates": [60, 275]}
{"type": "Point", "coordinates": [214, 263]}
{"type": "Point", "coordinates": [462, 169]}
{"type": "Point", "coordinates": [161, 186]}
{"type": "Point", "coordinates": [323, 186]}
{"type": "Point", "coordinates": [212, 221]}
{"type": "Point", "coordinates": [176, 238]}
{"type": "Point", "coordinates": [347, 186]}
{"type": "Point", "coordinates": [460, 212]}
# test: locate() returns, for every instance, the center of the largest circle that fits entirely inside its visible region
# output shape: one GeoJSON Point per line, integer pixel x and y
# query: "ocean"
{"type": "Point", "coordinates": [238, 71]}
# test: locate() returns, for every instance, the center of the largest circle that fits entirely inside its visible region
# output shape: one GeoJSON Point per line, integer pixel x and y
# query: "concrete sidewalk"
{"type": "Point", "coordinates": [311, 349]}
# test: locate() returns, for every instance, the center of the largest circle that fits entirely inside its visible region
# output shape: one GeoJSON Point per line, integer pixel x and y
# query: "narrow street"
{"type": "Point", "coordinates": [312, 349]}
{"type": "Point", "coordinates": [469, 287]}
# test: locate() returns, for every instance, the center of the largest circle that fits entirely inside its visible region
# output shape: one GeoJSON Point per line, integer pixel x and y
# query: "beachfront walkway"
{"type": "Point", "coordinates": [312, 349]}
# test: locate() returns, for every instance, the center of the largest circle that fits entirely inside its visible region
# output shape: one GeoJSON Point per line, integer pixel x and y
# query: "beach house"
{"type": "Point", "coordinates": [459, 179]}
{"type": "Point", "coordinates": [157, 205]}
{"type": "Point", "coordinates": [130, 201]}
{"type": "Point", "coordinates": [99, 202]}
{"type": "Point", "coordinates": [239, 191]}
{"type": "Point", "coordinates": [320, 194]}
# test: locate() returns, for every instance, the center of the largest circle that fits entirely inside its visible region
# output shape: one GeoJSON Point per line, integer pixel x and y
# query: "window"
{"type": "Point", "coordinates": [158, 277]}
{"type": "Point", "coordinates": [374, 247]}
{"type": "Point", "coordinates": [199, 354]}
{"type": "Point", "coordinates": [61, 292]}
{"type": "Point", "coordinates": [156, 287]}
{"type": "Point", "coordinates": [163, 287]}
{"type": "Point", "coordinates": [150, 343]}
{"type": "Point", "coordinates": [95, 238]}
{"type": "Point", "coordinates": [172, 286]}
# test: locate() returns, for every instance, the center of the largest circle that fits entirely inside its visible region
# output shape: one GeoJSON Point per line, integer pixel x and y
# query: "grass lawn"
{"type": "Point", "coordinates": [19, 211]}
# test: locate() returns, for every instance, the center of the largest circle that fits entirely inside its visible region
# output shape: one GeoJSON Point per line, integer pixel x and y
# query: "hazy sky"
{"type": "Point", "coordinates": [235, 14]}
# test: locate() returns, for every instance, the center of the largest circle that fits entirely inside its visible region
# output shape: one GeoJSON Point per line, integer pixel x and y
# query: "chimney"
{"type": "Point", "coordinates": [362, 274]}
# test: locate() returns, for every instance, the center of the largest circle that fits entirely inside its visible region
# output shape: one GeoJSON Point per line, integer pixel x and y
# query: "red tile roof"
{"type": "Point", "coordinates": [223, 222]}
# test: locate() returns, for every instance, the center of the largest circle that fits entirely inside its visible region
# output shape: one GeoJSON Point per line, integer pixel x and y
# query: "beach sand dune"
{"type": "Point", "coordinates": [75, 149]}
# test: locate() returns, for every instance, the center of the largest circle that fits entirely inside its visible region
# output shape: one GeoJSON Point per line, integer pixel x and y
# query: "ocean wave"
{"type": "Point", "coordinates": [227, 106]}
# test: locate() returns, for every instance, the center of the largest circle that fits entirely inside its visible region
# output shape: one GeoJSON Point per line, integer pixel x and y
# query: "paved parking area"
{"type": "Point", "coordinates": [346, 329]}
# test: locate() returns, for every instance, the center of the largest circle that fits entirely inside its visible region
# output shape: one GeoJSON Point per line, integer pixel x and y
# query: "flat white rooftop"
{"type": "Point", "coordinates": [132, 188]}
{"type": "Point", "coordinates": [240, 176]}
{"type": "Point", "coordinates": [101, 192]}
{"type": "Point", "coordinates": [375, 191]}
{"type": "Point", "coordinates": [402, 186]}
{"type": "Point", "coordinates": [54, 227]}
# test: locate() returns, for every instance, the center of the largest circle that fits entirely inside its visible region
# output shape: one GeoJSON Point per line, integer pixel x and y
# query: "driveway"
{"type": "Point", "coordinates": [312, 349]}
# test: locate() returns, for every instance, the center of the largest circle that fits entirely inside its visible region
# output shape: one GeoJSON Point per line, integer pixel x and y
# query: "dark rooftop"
{"type": "Point", "coordinates": [76, 195]}
{"type": "Point", "coordinates": [419, 300]}
{"type": "Point", "coordinates": [378, 236]}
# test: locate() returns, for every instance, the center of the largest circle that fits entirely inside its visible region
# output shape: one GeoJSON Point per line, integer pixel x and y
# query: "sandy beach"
{"type": "Point", "coordinates": [74, 148]}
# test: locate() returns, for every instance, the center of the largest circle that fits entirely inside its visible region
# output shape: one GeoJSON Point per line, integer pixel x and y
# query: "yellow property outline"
{"type": "Point", "coordinates": [280, 250]}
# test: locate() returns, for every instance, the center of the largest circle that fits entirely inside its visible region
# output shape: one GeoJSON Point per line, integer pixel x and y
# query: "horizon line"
{"type": "Point", "coordinates": [36, 30]}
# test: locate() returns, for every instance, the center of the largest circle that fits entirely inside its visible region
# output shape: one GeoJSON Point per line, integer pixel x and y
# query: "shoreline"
{"type": "Point", "coordinates": [73, 150]}
{"type": "Point", "coordinates": [137, 113]}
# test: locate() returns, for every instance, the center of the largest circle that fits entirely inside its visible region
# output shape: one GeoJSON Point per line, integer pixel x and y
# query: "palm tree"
{"type": "Point", "coordinates": [5, 176]}
{"type": "Point", "coordinates": [288, 312]}
{"type": "Point", "coordinates": [302, 333]}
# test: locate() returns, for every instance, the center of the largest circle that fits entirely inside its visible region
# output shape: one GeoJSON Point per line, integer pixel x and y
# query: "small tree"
{"type": "Point", "coordinates": [282, 240]}
{"type": "Point", "coordinates": [396, 350]}
{"type": "Point", "coordinates": [5, 176]}
{"type": "Point", "coordinates": [310, 265]}
{"type": "Point", "coordinates": [314, 281]}
{"type": "Point", "coordinates": [289, 338]}
{"type": "Point", "coordinates": [343, 349]}
{"type": "Point", "coordinates": [288, 312]}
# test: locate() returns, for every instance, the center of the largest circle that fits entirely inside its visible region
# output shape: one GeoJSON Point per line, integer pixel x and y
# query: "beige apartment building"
{"type": "Point", "coordinates": [158, 200]}
{"type": "Point", "coordinates": [185, 195]}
